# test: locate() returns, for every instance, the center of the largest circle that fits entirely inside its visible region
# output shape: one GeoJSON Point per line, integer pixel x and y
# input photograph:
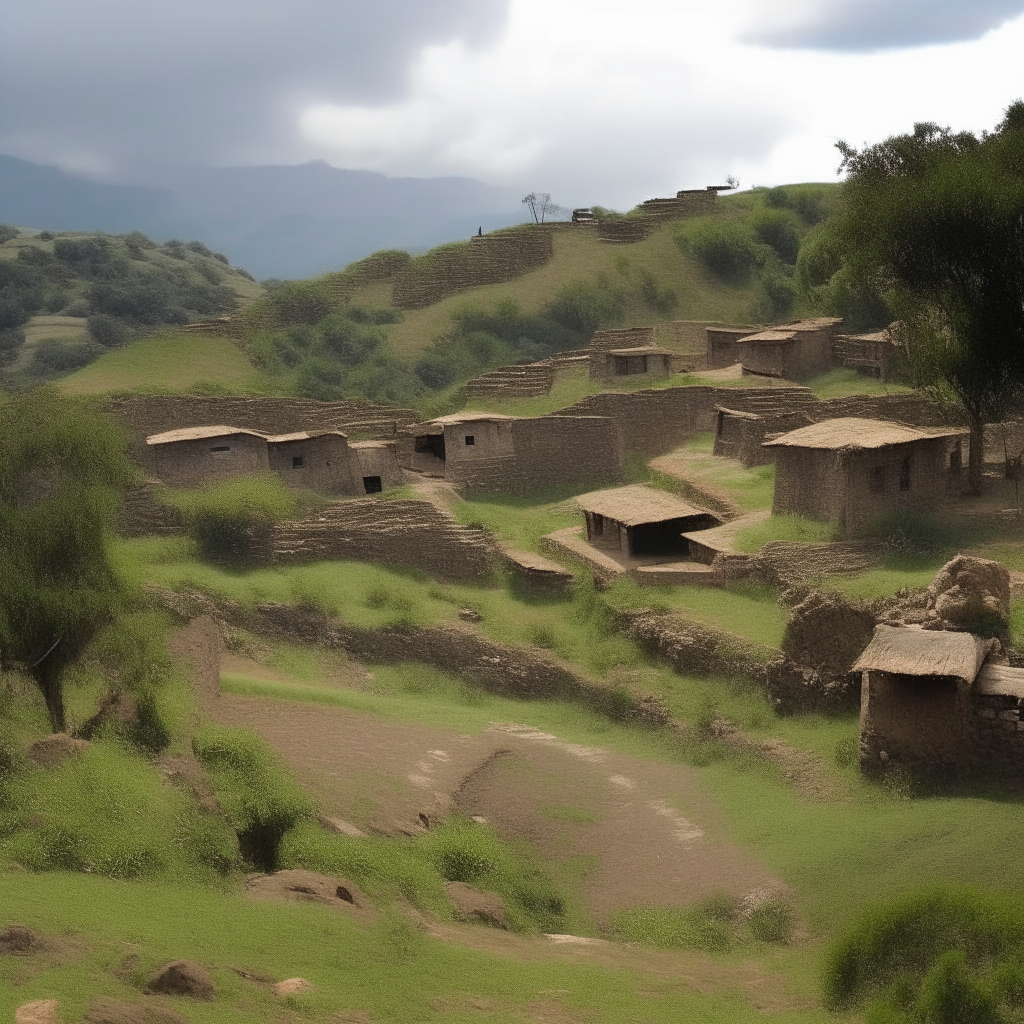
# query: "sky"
{"type": "Point", "coordinates": [595, 101]}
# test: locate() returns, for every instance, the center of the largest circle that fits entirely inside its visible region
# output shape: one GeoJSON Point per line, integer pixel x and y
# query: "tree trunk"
{"type": "Point", "coordinates": [976, 459]}
{"type": "Point", "coordinates": [53, 693]}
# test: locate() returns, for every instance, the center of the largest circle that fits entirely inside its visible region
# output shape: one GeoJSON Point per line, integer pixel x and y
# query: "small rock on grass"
{"type": "Point", "coordinates": [42, 1011]}
{"type": "Point", "coordinates": [182, 978]}
{"type": "Point", "coordinates": [473, 905]}
{"type": "Point", "coordinates": [292, 986]}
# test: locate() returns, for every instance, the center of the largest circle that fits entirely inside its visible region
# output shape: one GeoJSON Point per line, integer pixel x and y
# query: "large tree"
{"type": "Point", "coordinates": [62, 469]}
{"type": "Point", "coordinates": [934, 222]}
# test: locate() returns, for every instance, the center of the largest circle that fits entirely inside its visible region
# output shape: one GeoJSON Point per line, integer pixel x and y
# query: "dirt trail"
{"type": "Point", "coordinates": [630, 830]}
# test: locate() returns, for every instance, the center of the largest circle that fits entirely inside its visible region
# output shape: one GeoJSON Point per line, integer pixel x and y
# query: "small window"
{"type": "Point", "coordinates": [221, 448]}
{"type": "Point", "coordinates": [878, 479]}
{"type": "Point", "coordinates": [297, 462]}
{"type": "Point", "coordinates": [470, 439]}
{"type": "Point", "coordinates": [905, 474]}
{"type": "Point", "coordinates": [372, 485]}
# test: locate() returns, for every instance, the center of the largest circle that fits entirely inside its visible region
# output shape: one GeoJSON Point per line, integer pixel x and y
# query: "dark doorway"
{"type": "Point", "coordinates": [661, 539]}
{"type": "Point", "coordinates": [372, 484]}
{"type": "Point", "coordinates": [430, 444]}
{"type": "Point", "coordinates": [297, 462]}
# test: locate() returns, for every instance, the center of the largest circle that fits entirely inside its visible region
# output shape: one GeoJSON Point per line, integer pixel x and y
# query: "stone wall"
{"type": "Point", "coordinates": [142, 515]}
{"type": "Point", "coordinates": [999, 733]}
{"type": "Point", "coordinates": [740, 435]}
{"type": "Point", "coordinates": [914, 409]}
{"type": "Point", "coordinates": [485, 259]}
{"type": "Point", "coordinates": [526, 380]}
{"type": "Point", "coordinates": [208, 460]}
{"type": "Point", "coordinates": [407, 532]}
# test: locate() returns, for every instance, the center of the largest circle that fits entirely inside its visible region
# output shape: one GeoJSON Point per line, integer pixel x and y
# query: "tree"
{"type": "Point", "coordinates": [62, 468]}
{"type": "Point", "coordinates": [541, 205]}
{"type": "Point", "coordinates": [935, 222]}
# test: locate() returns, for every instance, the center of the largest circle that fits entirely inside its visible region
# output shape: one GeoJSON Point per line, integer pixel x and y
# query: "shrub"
{"type": "Point", "coordinates": [347, 340]}
{"type": "Point", "coordinates": [257, 795]}
{"type": "Point", "coordinates": [302, 302]}
{"type": "Point", "coordinates": [10, 341]}
{"type": "Point", "coordinates": [107, 330]}
{"type": "Point", "coordinates": [199, 248]}
{"type": "Point", "coordinates": [55, 355]}
{"type": "Point", "coordinates": [772, 920]}
{"type": "Point", "coordinates": [231, 521]}
{"type": "Point", "coordinates": [320, 379]}
{"type": "Point", "coordinates": [726, 250]}
{"type": "Point", "coordinates": [779, 229]}
{"type": "Point", "coordinates": [585, 306]}
{"type": "Point", "coordinates": [812, 203]}
{"type": "Point", "coordinates": [7, 232]}
{"type": "Point", "coordinates": [660, 297]}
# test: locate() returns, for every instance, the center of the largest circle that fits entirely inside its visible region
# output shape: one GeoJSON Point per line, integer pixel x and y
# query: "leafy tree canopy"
{"type": "Point", "coordinates": [62, 468]}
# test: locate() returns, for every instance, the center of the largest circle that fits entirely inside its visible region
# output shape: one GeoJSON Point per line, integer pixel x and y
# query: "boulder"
{"type": "Point", "coordinates": [826, 633]}
{"type": "Point", "coordinates": [968, 589]}
{"type": "Point", "coordinates": [17, 939]}
{"type": "Point", "coordinates": [307, 885]}
{"type": "Point", "coordinates": [473, 905]}
{"type": "Point", "coordinates": [53, 750]}
{"type": "Point", "coordinates": [182, 978]}
{"type": "Point", "coordinates": [42, 1011]}
{"type": "Point", "coordinates": [292, 986]}
{"type": "Point", "coordinates": [112, 1011]}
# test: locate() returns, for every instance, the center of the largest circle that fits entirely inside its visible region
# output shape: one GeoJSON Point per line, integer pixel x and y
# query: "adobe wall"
{"type": "Point", "coordinates": [487, 259]}
{"type": "Point", "coordinates": [325, 464]}
{"type": "Point", "coordinates": [403, 532]}
{"type": "Point", "coordinates": [867, 356]}
{"type": "Point", "coordinates": [741, 435]}
{"type": "Point", "coordinates": [198, 462]}
{"type": "Point", "coordinates": [809, 482]}
{"type": "Point", "coordinates": [722, 350]}
{"type": "Point", "coordinates": [916, 410]}
{"type": "Point", "coordinates": [376, 458]}
{"type": "Point", "coordinates": [476, 441]}
{"type": "Point", "coordinates": [999, 733]}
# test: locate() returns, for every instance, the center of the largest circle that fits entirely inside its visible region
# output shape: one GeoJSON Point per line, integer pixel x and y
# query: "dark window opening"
{"type": "Point", "coordinates": [660, 539]}
{"type": "Point", "coordinates": [905, 475]}
{"type": "Point", "coordinates": [297, 462]}
{"type": "Point", "coordinates": [470, 439]}
{"type": "Point", "coordinates": [878, 479]}
{"type": "Point", "coordinates": [220, 448]}
{"type": "Point", "coordinates": [598, 525]}
{"type": "Point", "coordinates": [627, 366]}
{"type": "Point", "coordinates": [372, 484]}
{"type": "Point", "coordinates": [430, 444]}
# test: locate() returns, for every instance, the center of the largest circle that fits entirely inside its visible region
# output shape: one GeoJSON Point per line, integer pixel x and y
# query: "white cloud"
{"type": "Point", "coordinates": [600, 102]}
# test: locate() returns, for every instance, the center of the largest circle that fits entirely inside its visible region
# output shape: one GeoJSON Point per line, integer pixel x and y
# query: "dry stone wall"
{"type": "Point", "coordinates": [528, 380]}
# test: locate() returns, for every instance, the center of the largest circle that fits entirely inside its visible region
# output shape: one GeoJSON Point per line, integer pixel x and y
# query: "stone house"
{"type": "Point", "coordinates": [932, 699]}
{"type": "Point", "coordinates": [872, 354]}
{"type": "Point", "coordinates": [740, 434]}
{"type": "Point", "coordinates": [646, 361]}
{"type": "Point", "coordinates": [196, 456]}
{"type": "Point", "coordinates": [446, 441]}
{"type": "Point", "coordinates": [638, 520]}
{"type": "Point", "coordinates": [793, 351]}
{"type": "Point", "coordinates": [376, 466]}
{"type": "Point", "coordinates": [850, 471]}
{"type": "Point", "coordinates": [319, 460]}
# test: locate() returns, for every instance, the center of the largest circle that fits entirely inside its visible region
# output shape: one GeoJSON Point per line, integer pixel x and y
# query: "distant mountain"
{"type": "Point", "coordinates": [274, 221]}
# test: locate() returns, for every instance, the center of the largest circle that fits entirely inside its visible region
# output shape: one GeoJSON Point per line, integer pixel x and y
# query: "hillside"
{"type": "Point", "coordinates": [67, 298]}
{"type": "Point", "coordinates": [345, 335]}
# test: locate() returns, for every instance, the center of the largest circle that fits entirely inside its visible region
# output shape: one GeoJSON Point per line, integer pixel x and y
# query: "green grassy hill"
{"type": "Point", "coordinates": [341, 335]}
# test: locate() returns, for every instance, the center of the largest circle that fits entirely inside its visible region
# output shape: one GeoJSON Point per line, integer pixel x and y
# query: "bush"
{"type": "Point", "coordinates": [585, 306]}
{"type": "Point", "coordinates": [320, 379]}
{"type": "Point", "coordinates": [660, 297]}
{"type": "Point", "coordinates": [812, 203]}
{"type": "Point", "coordinates": [7, 232]}
{"type": "Point", "coordinates": [348, 341]}
{"type": "Point", "coordinates": [944, 953]}
{"type": "Point", "coordinates": [107, 330]}
{"type": "Point", "coordinates": [10, 341]}
{"type": "Point", "coordinates": [256, 794]}
{"type": "Point", "coordinates": [231, 521]}
{"type": "Point", "coordinates": [726, 250]}
{"type": "Point", "coordinates": [779, 229]}
{"type": "Point", "coordinates": [302, 302]}
{"type": "Point", "coordinates": [55, 355]}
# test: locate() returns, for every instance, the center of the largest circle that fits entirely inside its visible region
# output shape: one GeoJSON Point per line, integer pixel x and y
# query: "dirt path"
{"type": "Point", "coordinates": [630, 831]}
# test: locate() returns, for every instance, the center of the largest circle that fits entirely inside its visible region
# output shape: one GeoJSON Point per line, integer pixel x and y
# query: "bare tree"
{"type": "Point", "coordinates": [541, 206]}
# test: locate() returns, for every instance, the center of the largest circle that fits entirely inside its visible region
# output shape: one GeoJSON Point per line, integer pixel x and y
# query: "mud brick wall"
{"type": "Point", "coordinates": [409, 533]}
{"type": "Point", "coordinates": [916, 410]}
{"type": "Point", "coordinates": [740, 435]}
{"type": "Point", "coordinates": [487, 259]}
{"type": "Point", "coordinates": [999, 733]}
{"type": "Point", "coordinates": [142, 515]}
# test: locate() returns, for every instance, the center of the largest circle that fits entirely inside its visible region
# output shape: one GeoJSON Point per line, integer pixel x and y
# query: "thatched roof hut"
{"type": "Point", "coordinates": [924, 653]}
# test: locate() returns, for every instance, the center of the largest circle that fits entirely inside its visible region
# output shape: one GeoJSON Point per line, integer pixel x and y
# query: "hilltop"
{"type": "Point", "coordinates": [399, 328]}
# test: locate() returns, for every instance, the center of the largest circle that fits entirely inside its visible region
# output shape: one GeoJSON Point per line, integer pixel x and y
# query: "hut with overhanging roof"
{"type": "Point", "coordinates": [851, 471]}
{"type": "Point", "coordinates": [638, 520]}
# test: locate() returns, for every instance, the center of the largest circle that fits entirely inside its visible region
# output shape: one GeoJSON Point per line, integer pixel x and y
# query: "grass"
{"type": "Point", "coordinates": [788, 528]}
{"type": "Point", "coordinates": [841, 383]}
{"type": "Point", "coordinates": [520, 522]}
{"type": "Point", "coordinates": [167, 362]}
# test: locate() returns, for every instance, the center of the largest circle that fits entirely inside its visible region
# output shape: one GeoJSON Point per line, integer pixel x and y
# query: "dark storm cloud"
{"type": "Point", "coordinates": [135, 82]}
{"type": "Point", "coordinates": [864, 25]}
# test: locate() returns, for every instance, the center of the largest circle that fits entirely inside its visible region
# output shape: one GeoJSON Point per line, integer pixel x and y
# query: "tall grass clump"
{"type": "Point", "coordinates": [258, 797]}
{"type": "Point", "coordinates": [940, 954]}
{"type": "Point", "coordinates": [231, 521]}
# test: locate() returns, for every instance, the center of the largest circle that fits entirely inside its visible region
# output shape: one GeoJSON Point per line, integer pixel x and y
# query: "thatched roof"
{"type": "Point", "coordinates": [303, 435]}
{"type": "Point", "coordinates": [636, 505]}
{"type": "Point", "coordinates": [911, 651]}
{"type": "Point", "coordinates": [811, 323]}
{"type": "Point", "coordinates": [852, 432]}
{"type": "Point", "coordinates": [1000, 680]}
{"type": "Point", "coordinates": [455, 418]}
{"type": "Point", "coordinates": [774, 336]}
{"type": "Point", "coordinates": [200, 434]}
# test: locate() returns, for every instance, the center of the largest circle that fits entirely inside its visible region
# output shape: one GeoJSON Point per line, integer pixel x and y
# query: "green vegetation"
{"type": "Point", "coordinates": [791, 528]}
{"type": "Point", "coordinates": [843, 383]}
{"type": "Point", "coordinates": [117, 287]}
{"type": "Point", "coordinates": [937, 954]}
{"type": "Point", "coordinates": [230, 521]}
{"type": "Point", "coordinates": [62, 469]}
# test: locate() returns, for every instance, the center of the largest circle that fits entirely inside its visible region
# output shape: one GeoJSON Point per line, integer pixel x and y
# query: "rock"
{"type": "Point", "coordinates": [473, 905]}
{"type": "Point", "coordinates": [17, 939]}
{"type": "Point", "coordinates": [112, 1011]}
{"type": "Point", "coordinates": [42, 1011]}
{"type": "Point", "coordinates": [182, 978]}
{"type": "Point", "coordinates": [56, 749]}
{"type": "Point", "coordinates": [292, 986]}
{"type": "Point", "coordinates": [306, 885]}
{"type": "Point", "coordinates": [969, 589]}
{"type": "Point", "coordinates": [470, 615]}
{"type": "Point", "coordinates": [827, 633]}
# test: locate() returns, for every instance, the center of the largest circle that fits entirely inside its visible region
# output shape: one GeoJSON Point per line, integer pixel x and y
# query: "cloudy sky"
{"type": "Point", "coordinates": [597, 101]}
